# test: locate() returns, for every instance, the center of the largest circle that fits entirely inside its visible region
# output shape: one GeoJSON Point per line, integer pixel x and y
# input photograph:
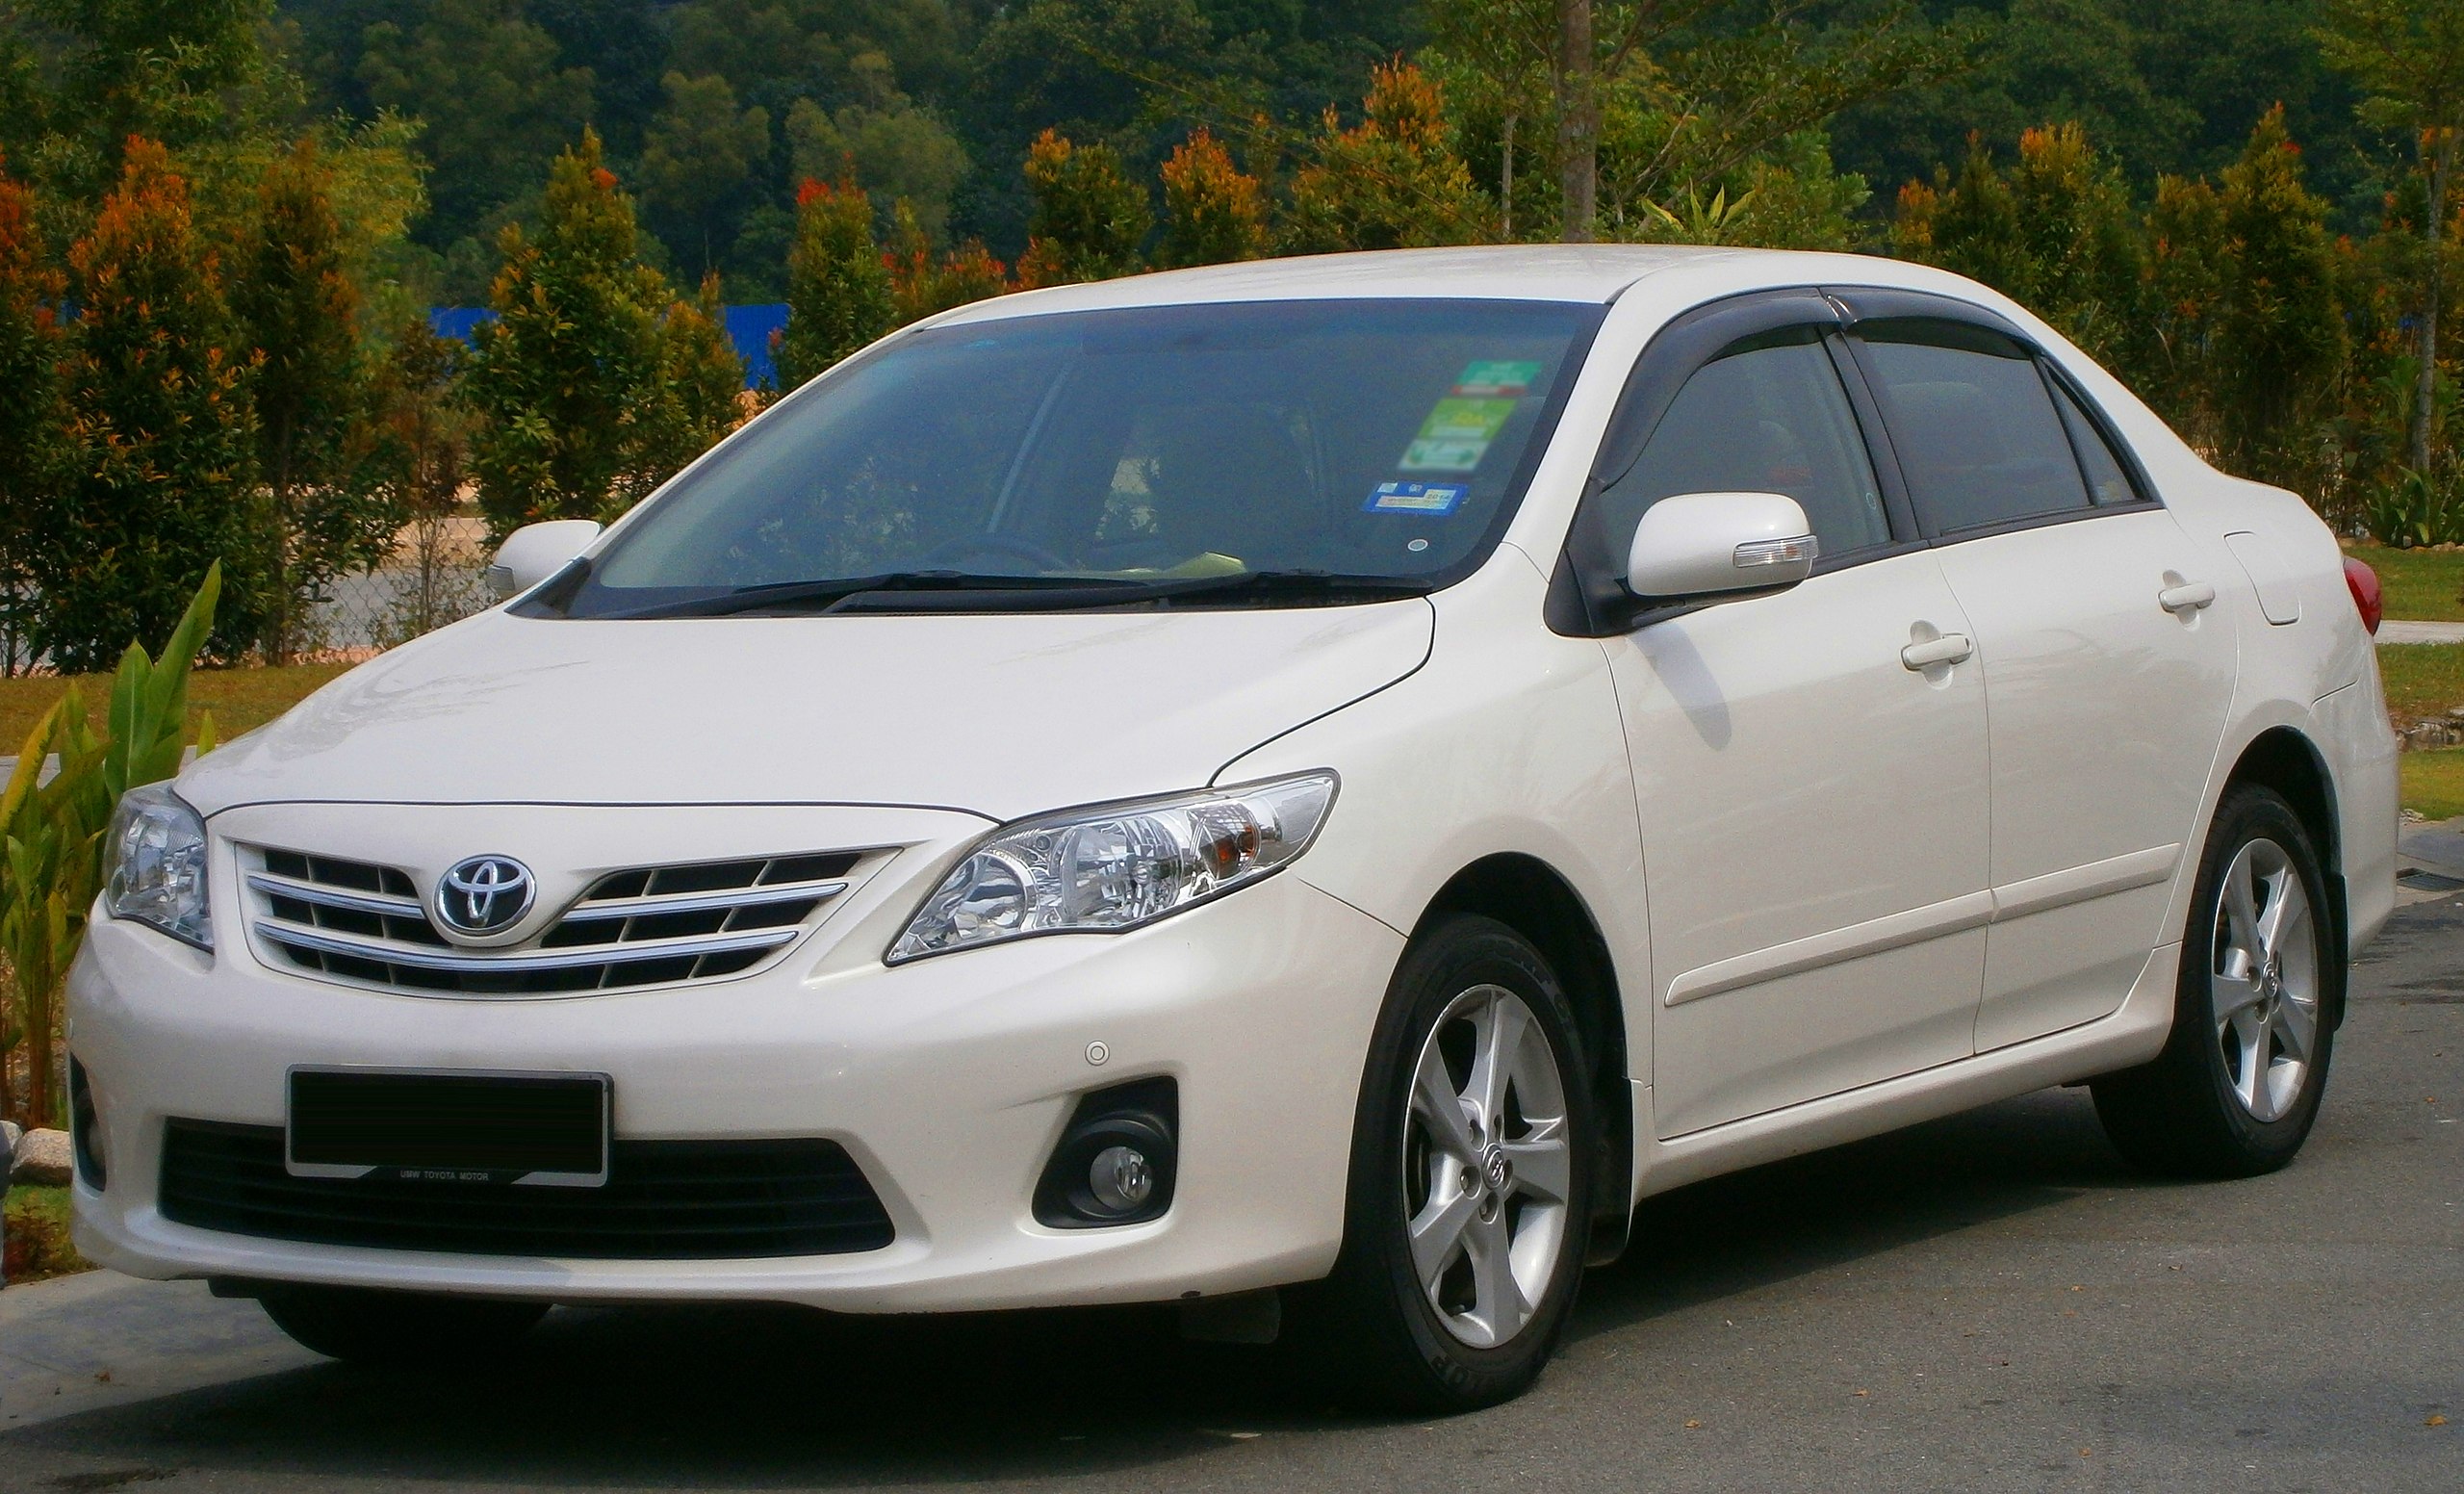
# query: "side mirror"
{"type": "Point", "coordinates": [1712, 544]}
{"type": "Point", "coordinates": [535, 551]}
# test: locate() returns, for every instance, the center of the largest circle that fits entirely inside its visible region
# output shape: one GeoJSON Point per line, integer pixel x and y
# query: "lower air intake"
{"type": "Point", "coordinates": [663, 1200]}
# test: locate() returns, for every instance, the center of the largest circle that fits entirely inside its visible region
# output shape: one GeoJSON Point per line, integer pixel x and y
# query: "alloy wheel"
{"type": "Point", "coordinates": [1488, 1166]}
{"type": "Point", "coordinates": [2264, 979]}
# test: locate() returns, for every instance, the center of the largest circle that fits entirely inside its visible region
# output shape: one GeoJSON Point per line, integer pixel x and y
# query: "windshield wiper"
{"type": "Point", "coordinates": [827, 595]}
{"type": "Point", "coordinates": [1294, 583]}
{"type": "Point", "coordinates": [961, 591]}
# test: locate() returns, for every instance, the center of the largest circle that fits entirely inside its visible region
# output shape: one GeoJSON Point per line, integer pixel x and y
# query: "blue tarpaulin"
{"type": "Point", "coordinates": [749, 328]}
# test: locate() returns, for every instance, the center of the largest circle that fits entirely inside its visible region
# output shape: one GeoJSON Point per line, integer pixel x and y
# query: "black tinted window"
{"type": "Point", "coordinates": [1766, 416]}
{"type": "Point", "coordinates": [1973, 424]}
{"type": "Point", "coordinates": [2107, 480]}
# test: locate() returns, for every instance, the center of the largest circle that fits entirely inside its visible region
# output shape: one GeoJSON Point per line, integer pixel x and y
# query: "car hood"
{"type": "Point", "coordinates": [1002, 715]}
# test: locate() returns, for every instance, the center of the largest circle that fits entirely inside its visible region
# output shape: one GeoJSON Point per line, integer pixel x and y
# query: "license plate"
{"type": "Point", "coordinates": [451, 1128]}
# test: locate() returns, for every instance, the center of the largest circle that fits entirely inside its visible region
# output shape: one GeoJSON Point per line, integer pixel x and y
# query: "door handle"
{"type": "Point", "coordinates": [1951, 648]}
{"type": "Point", "coordinates": [2188, 597]}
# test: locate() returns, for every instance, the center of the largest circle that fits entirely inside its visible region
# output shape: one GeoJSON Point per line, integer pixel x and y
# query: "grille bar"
{"type": "Point", "coordinates": [422, 959]}
{"type": "Point", "coordinates": [747, 897]}
{"type": "Point", "coordinates": [663, 1200]}
{"type": "Point", "coordinates": [324, 896]}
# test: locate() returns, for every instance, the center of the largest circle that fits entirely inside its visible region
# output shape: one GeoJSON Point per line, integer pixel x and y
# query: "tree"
{"type": "Point", "coordinates": [1665, 107]}
{"type": "Point", "coordinates": [2280, 335]}
{"type": "Point", "coordinates": [1213, 213]}
{"type": "Point", "coordinates": [1578, 122]}
{"type": "Point", "coordinates": [1393, 181]}
{"type": "Point", "coordinates": [2408, 56]}
{"type": "Point", "coordinates": [700, 151]}
{"type": "Point", "coordinates": [298, 308]}
{"type": "Point", "coordinates": [33, 420]}
{"type": "Point", "coordinates": [2054, 232]}
{"type": "Point", "coordinates": [119, 71]}
{"type": "Point", "coordinates": [563, 380]}
{"type": "Point", "coordinates": [838, 290]}
{"type": "Point", "coordinates": [165, 438]}
{"type": "Point", "coordinates": [884, 141]}
{"type": "Point", "coordinates": [1089, 217]}
{"type": "Point", "coordinates": [701, 393]}
{"type": "Point", "coordinates": [416, 447]}
{"type": "Point", "coordinates": [497, 105]}
{"type": "Point", "coordinates": [924, 284]}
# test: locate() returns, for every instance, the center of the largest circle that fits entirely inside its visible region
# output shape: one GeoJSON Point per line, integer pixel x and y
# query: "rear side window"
{"type": "Point", "coordinates": [1766, 416]}
{"type": "Point", "coordinates": [1974, 424]}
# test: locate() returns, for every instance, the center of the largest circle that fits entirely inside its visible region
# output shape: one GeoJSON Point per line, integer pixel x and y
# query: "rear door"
{"type": "Point", "coordinates": [1813, 807]}
{"type": "Point", "coordinates": [2107, 675]}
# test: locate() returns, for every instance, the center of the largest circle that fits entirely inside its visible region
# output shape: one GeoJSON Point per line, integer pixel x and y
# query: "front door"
{"type": "Point", "coordinates": [1813, 796]}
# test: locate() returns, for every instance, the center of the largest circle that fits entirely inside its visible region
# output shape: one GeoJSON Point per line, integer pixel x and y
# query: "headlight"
{"type": "Point", "coordinates": [158, 866]}
{"type": "Point", "coordinates": [1106, 869]}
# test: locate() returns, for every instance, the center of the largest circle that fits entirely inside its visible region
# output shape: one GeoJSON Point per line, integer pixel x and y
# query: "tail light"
{"type": "Point", "coordinates": [2363, 583]}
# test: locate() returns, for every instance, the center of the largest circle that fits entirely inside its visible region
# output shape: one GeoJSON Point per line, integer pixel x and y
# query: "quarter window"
{"type": "Point", "coordinates": [2108, 483]}
{"type": "Point", "coordinates": [1766, 416]}
{"type": "Point", "coordinates": [1973, 424]}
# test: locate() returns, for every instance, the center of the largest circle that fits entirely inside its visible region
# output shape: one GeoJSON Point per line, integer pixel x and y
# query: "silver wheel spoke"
{"type": "Point", "coordinates": [1501, 1034]}
{"type": "Point", "coordinates": [1441, 1109]}
{"type": "Point", "coordinates": [2241, 908]}
{"type": "Point", "coordinates": [1500, 1307]}
{"type": "Point", "coordinates": [2297, 1026]}
{"type": "Point", "coordinates": [1438, 1233]}
{"type": "Point", "coordinates": [2233, 996]}
{"type": "Point", "coordinates": [1542, 1163]}
{"type": "Point", "coordinates": [2284, 903]}
{"type": "Point", "coordinates": [2249, 1038]}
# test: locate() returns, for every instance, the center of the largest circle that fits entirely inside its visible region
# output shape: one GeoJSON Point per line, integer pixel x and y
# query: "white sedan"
{"type": "Point", "coordinates": [1300, 789]}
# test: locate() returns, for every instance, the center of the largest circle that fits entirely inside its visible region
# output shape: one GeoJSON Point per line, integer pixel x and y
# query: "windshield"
{"type": "Point", "coordinates": [1254, 454]}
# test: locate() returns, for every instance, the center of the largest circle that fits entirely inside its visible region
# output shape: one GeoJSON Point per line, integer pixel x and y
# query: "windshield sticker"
{"type": "Point", "coordinates": [1489, 379]}
{"type": "Point", "coordinates": [1456, 434]}
{"type": "Point", "coordinates": [1423, 499]}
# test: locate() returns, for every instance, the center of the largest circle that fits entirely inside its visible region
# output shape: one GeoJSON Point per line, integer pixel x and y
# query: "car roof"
{"type": "Point", "coordinates": [1593, 274]}
{"type": "Point", "coordinates": [1582, 272]}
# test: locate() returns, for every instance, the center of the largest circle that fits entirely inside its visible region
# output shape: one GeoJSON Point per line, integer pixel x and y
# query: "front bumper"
{"type": "Point", "coordinates": [948, 1080]}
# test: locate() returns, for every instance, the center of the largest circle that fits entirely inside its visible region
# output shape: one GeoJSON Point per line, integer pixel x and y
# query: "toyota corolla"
{"type": "Point", "coordinates": [1301, 790]}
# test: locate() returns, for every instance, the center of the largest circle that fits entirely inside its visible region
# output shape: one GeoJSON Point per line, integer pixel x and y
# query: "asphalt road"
{"type": "Point", "coordinates": [1989, 1302]}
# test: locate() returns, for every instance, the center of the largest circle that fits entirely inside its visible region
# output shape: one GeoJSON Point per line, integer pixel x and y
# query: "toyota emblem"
{"type": "Point", "coordinates": [483, 895]}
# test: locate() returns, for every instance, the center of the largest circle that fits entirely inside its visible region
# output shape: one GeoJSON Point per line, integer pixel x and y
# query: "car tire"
{"type": "Point", "coordinates": [2262, 987]}
{"type": "Point", "coordinates": [400, 1328]}
{"type": "Point", "coordinates": [1474, 1129]}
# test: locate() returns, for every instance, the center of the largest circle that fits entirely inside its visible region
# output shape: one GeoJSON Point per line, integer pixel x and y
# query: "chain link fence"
{"type": "Point", "coordinates": [435, 575]}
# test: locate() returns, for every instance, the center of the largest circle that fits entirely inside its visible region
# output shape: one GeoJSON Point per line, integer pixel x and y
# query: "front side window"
{"type": "Point", "coordinates": [1383, 440]}
{"type": "Point", "coordinates": [1767, 415]}
{"type": "Point", "coordinates": [1973, 424]}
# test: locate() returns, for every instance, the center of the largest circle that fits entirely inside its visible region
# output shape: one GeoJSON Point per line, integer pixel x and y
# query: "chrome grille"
{"type": "Point", "coordinates": [366, 924]}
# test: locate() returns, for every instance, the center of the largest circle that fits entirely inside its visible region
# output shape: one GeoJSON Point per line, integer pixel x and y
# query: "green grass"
{"type": "Point", "coordinates": [38, 1236]}
{"type": "Point", "coordinates": [2419, 585]}
{"type": "Point", "coordinates": [2433, 782]}
{"type": "Point", "coordinates": [241, 699]}
{"type": "Point", "coordinates": [2423, 680]}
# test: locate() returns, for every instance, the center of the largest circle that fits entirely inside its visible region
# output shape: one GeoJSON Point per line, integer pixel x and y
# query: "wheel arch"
{"type": "Point", "coordinates": [1531, 897]}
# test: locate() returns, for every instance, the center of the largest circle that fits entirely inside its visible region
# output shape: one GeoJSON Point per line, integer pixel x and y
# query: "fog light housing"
{"type": "Point", "coordinates": [1115, 1159]}
{"type": "Point", "coordinates": [85, 1138]}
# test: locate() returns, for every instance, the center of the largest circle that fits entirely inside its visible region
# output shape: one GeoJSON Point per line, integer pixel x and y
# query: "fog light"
{"type": "Point", "coordinates": [1115, 1161]}
{"type": "Point", "coordinates": [1120, 1179]}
